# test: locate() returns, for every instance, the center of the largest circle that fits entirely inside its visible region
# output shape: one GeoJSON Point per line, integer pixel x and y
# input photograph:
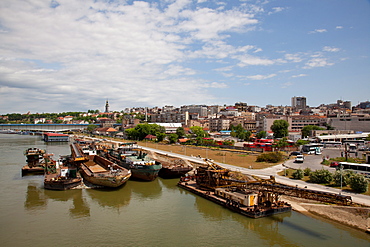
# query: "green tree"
{"type": "Point", "coordinates": [298, 174]}
{"type": "Point", "coordinates": [280, 128]}
{"type": "Point", "coordinates": [341, 176]}
{"type": "Point", "coordinates": [91, 127]}
{"type": "Point", "coordinates": [198, 131]}
{"type": "Point", "coordinates": [239, 132]}
{"type": "Point", "coordinates": [306, 130]}
{"type": "Point", "coordinates": [301, 142]}
{"type": "Point", "coordinates": [358, 183]}
{"type": "Point", "coordinates": [368, 137]}
{"type": "Point", "coordinates": [173, 138]}
{"type": "Point", "coordinates": [180, 132]}
{"type": "Point", "coordinates": [321, 176]}
{"type": "Point", "coordinates": [282, 143]}
{"type": "Point", "coordinates": [261, 134]}
{"type": "Point", "coordinates": [142, 130]}
{"type": "Point", "coordinates": [307, 171]}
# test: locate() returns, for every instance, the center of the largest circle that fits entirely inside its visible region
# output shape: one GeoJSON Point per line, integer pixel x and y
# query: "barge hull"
{"type": "Point", "coordinates": [247, 211]}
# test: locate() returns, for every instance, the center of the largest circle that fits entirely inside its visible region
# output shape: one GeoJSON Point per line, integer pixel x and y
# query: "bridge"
{"type": "Point", "coordinates": [43, 127]}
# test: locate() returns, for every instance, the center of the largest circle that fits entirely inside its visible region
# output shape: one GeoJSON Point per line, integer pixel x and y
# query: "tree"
{"type": "Point", "coordinates": [306, 130]}
{"type": "Point", "coordinates": [321, 176]}
{"type": "Point", "coordinates": [142, 130]}
{"type": "Point", "coordinates": [173, 138]}
{"type": "Point", "coordinates": [368, 137]}
{"type": "Point", "coordinates": [282, 143]}
{"type": "Point", "coordinates": [91, 127]}
{"type": "Point", "coordinates": [358, 183]}
{"type": "Point", "coordinates": [239, 132]}
{"type": "Point", "coordinates": [261, 134]}
{"type": "Point", "coordinates": [280, 128]}
{"type": "Point", "coordinates": [198, 131]}
{"type": "Point", "coordinates": [301, 142]}
{"type": "Point", "coordinates": [298, 174]}
{"type": "Point", "coordinates": [180, 132]}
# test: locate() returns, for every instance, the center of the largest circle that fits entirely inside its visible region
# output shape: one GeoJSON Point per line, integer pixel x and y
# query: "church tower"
{"type": "Point", "coordinates": [106, 106]}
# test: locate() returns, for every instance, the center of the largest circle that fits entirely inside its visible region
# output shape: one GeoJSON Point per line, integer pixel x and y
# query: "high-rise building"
{"type": "Point", "coordinates": [299, 102]}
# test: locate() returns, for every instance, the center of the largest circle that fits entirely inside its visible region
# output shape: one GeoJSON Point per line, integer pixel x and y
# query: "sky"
{"type": "Point", "coordinates": [73, 55]}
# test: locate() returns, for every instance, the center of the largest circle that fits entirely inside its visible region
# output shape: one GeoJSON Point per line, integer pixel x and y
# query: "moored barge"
{"type": "Point", "coordinates": [217, 184]}
{"type": "Point", "coordinates": [247, 204]}
{"type": "Point", "coordinates": [102, 172]}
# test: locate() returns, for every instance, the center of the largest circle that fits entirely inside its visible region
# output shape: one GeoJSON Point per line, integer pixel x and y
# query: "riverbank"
{"type": "Point", "coordinates": [355, 217]}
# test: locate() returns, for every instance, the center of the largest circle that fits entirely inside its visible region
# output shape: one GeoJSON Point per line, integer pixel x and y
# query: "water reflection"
{"type": "Point", "coordinates": [80, 207]}
{"type": "Point", "coordinates": [113, 198]}
{"type": "Point", "coordinates": [37, 199]}
{"type": "Point", "coordinates": [169, 183]}
{"type": "Point", "coordinates": [146, 190]}
{"type": "Point", "coordinates": [267, 228]}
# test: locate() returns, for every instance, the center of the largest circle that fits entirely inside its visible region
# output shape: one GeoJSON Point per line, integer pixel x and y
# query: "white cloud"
{"type": "Point", "coordinates": [295, 58]}
{"type": "Point", "coordinates": [215, 85]}
{"type": "Point", "coordinates": [317, 62]}
{"type": "Point", "coordinates": [318, 31]}
{"type": "Point", "coordinates": [339, 27]}
{"type": "Point", "coordinates": [287, 84]}
{"type": "Point", "coordinates": [276, 10]}
{"type": "Point", "coordinates": [300, 75]}
{"type": "Point", "coordinates": [139, 52]}
{"type": "Point", "coordinates": [330, 49]}
{"type": "Point", "coordinates": [261, 77]}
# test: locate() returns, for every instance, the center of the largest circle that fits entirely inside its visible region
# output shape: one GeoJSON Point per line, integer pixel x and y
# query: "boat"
{"type": "Point", "coordinates": [35, 161]}
{"type": "Point", "coordinates": [60, 175]}
{"type": "Point", "coordinates": [131, 157]}
{"type": "Point", "coordinates": [102, 172]}
{"type": "Point", "coordinates": [174, 168]}
{"type": "Point", "coordinates": [217, 184]}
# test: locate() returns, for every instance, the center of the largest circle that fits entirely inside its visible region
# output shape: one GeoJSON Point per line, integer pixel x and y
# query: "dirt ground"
{"type": "Point", "coordinates": [355, 217]}
{"type": "Point", "coordinates": [241, 158]}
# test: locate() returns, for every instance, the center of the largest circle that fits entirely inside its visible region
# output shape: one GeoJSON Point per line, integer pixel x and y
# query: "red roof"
{"type": "Point", "coordinates": [55, 134]}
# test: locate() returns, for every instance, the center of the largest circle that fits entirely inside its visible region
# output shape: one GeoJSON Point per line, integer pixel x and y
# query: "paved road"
{"type": "Point", "coordinates": [311, 161]}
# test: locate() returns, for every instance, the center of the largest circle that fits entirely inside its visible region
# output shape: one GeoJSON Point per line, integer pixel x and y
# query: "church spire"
{"type": "Point", "coordinates": [106, 106]}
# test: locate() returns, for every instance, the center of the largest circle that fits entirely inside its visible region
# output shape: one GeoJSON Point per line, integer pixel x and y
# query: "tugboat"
{"type": "Point", "coordinates": [35, 161]}
{"type": "Point", "coordinates": [60, 175]}
{"type": "Point", "coordinates": [135, 159]}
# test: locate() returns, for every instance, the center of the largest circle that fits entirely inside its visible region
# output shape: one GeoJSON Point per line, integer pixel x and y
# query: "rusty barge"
{"type": "Point", "coordinates": [214, 183]}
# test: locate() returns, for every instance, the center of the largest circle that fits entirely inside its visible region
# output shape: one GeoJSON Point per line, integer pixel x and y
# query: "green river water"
{"type": "Point", "coordinates": [156, 213]}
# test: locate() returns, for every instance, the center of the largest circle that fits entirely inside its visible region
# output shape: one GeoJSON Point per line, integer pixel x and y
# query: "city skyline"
{"type": "Point", "coordinates": [61, 56]}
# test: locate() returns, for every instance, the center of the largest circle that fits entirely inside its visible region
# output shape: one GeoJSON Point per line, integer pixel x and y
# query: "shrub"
{"type": "Point", "coordinates": [358, 183]}
{"type": "Point", "coordinates": [298, 174]}
{"type": "Point", "coordinates": [272, 157]}
{"type": "Point", "coordinates": [321, 176]}
{"type": "Point", "coordinates": [346, 175]}
{"type": "Point", "coordinates": [307, 171]}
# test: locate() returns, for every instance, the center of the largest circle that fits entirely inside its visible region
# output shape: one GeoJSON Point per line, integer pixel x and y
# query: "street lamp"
{"type": "Point", "coordinates": [340, 170]}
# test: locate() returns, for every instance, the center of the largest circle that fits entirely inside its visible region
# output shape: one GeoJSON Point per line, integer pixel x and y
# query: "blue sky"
{"type": "Point", "coordinates": [73, 55]}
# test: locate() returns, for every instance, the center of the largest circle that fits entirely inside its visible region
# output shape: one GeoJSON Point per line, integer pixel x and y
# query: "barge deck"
{"type": "Point", "coordinates": [255, 211]}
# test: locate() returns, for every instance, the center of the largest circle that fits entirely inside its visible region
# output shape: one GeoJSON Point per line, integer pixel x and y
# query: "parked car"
{"type": "Point", "coordinates": [299, 159]}
{"type": "Point", "coordinates": [295, 153]}
{"type": "Point", "coordinates": [334, 164]}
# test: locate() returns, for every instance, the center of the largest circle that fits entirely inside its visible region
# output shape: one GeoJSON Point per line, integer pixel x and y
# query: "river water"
{"type": "Point", "coordinates": [156, 213]}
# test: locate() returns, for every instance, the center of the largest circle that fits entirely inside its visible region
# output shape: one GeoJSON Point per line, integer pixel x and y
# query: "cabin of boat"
{"type": "Point", "coordinates": [60, 176]}
{"type": "Point", "coordinates": [35, 161]}
{"type": "Point", "coordinates": [131, 157]}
